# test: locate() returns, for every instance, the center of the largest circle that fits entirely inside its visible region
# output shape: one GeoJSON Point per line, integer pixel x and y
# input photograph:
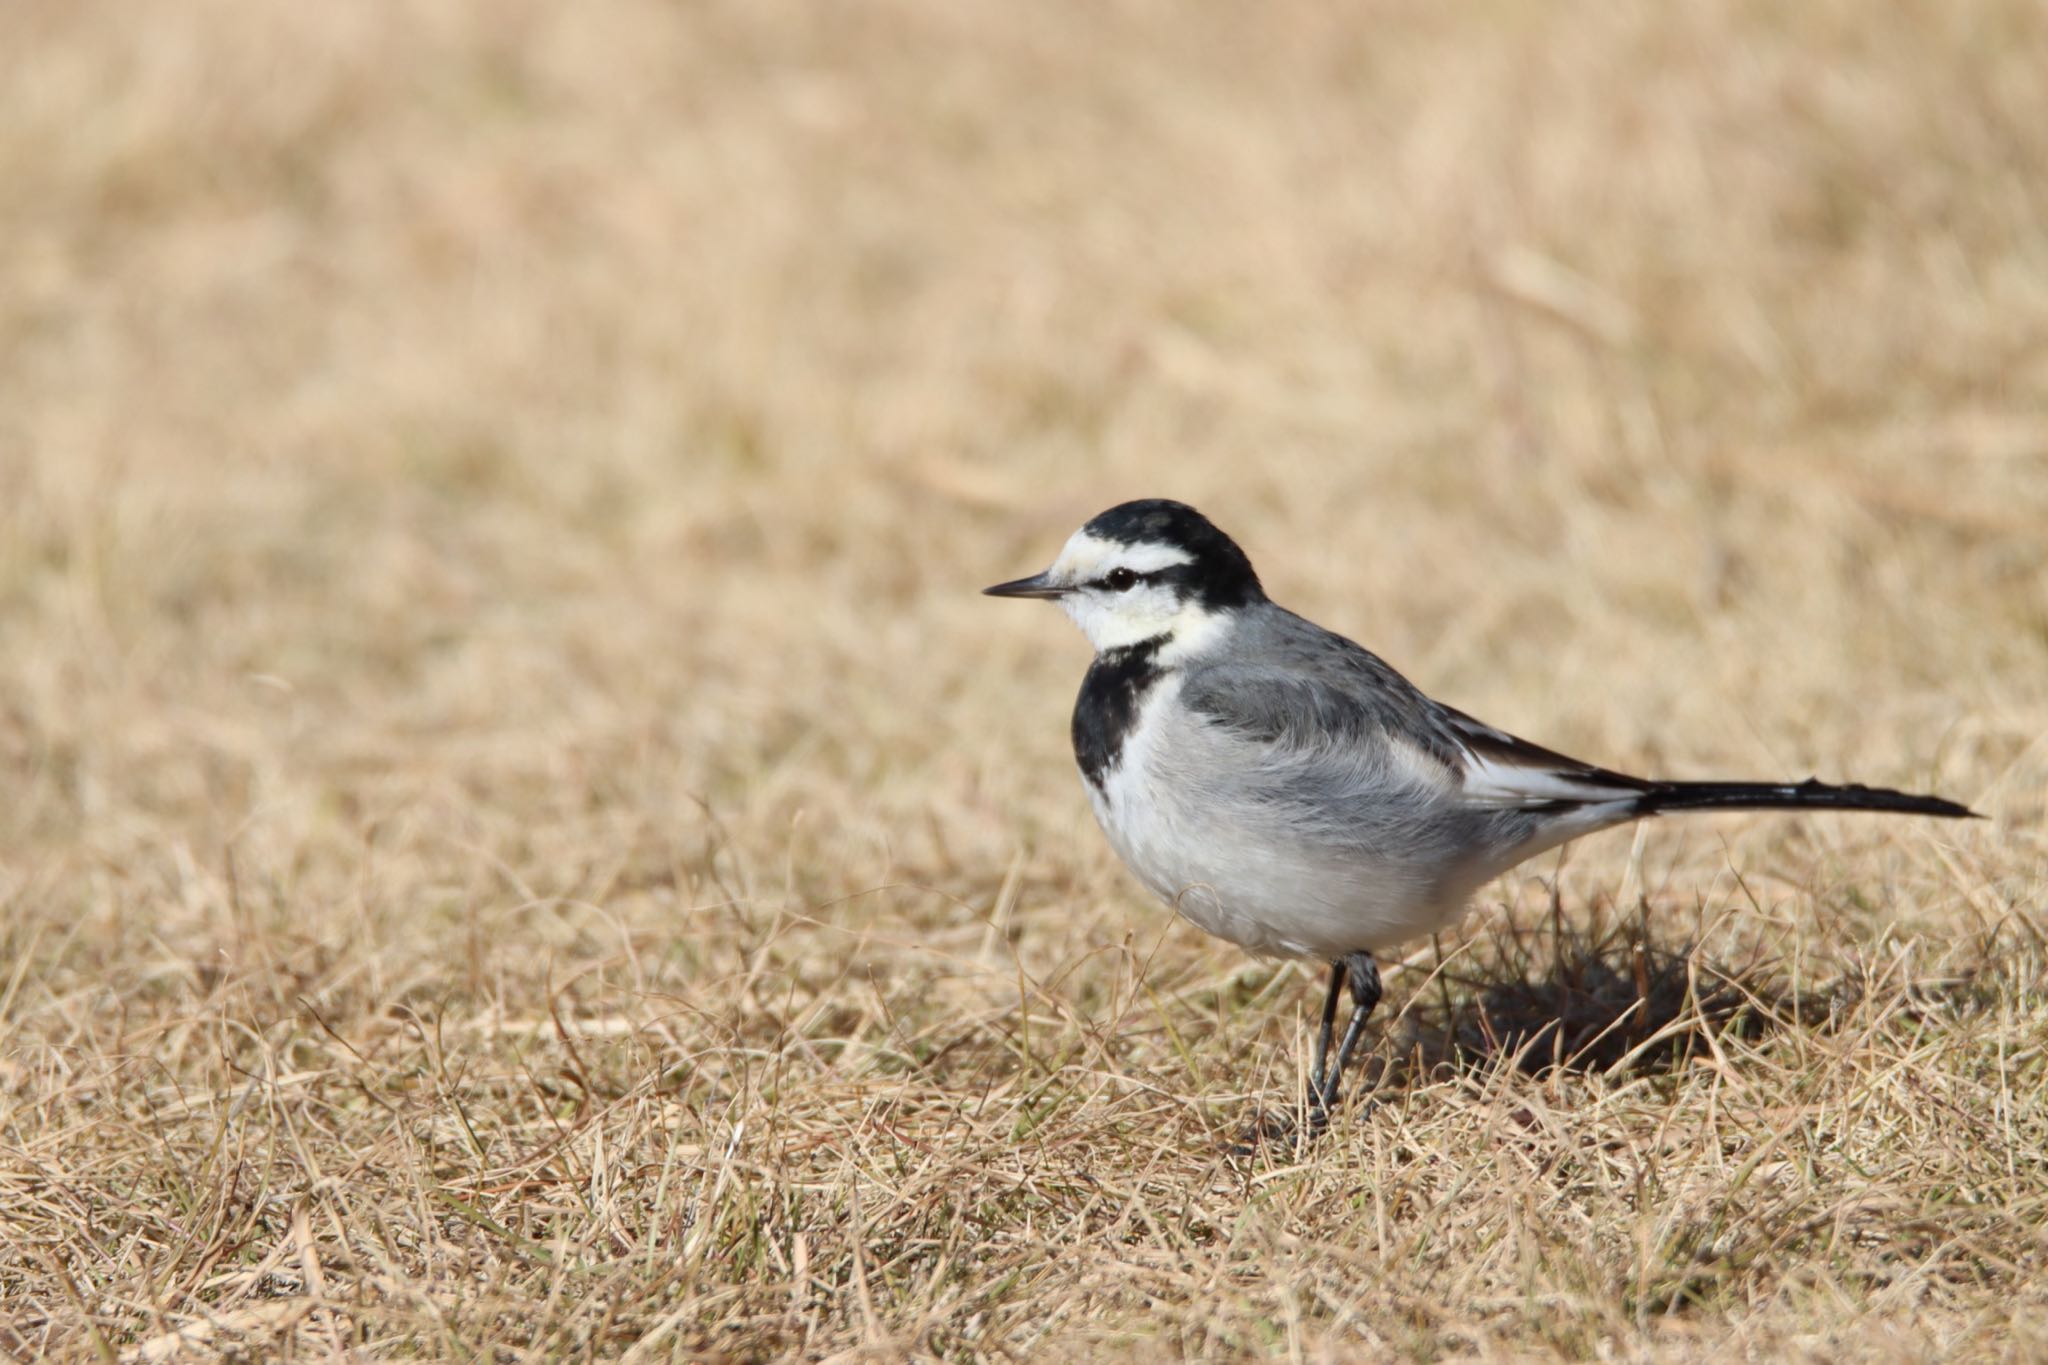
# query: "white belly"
{"type": "Point", "coordinates": [1180, 818]}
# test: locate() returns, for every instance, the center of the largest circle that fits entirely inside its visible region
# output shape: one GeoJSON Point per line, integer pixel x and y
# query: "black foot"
{"type": "Point", "coordinates": [1360, 974]}
{"type": "Point", "coordinates": [1279, 1132]}
{"type": "Point", "coordinates": [1264, 1133]}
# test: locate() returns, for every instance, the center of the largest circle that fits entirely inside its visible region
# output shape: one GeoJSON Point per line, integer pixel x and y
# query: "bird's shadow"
{"type": "Point", "coordinates": [1610, 1000]}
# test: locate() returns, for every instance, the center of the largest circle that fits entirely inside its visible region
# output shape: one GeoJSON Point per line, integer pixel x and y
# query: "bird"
{"type": "Point", "coordinates": [1287, 790]}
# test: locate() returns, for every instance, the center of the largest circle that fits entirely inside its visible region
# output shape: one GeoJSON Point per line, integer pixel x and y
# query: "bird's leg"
{"type": "Point", "coordinates": [1363, 974]}
{"type": "Point", "coordinates": [1267, 1128]}
{"type": "Point", "coordinates": [1315, 1075]}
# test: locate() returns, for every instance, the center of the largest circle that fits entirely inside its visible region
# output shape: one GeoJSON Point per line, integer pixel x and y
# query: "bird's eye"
{"type": "Point", "coordinates": [1121, 580]}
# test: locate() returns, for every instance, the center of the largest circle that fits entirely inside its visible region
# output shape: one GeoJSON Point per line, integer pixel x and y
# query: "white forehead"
{"type": "Point", "coordinates": [1089, 556]}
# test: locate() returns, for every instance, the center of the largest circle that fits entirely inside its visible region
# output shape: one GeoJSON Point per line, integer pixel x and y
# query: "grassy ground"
{"type": "Point", "coordinates": [519, 839]}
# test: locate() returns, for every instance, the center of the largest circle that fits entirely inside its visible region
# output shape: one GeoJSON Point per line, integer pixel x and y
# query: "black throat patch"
{"type": "Point", "coordinates": [1108, 705]}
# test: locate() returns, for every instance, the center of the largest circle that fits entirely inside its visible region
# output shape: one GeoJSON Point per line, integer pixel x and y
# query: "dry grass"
{"type": "Point", "coordinates": [520, 840]}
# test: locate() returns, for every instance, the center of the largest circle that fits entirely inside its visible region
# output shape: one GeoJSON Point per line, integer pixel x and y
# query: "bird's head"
{"type": "Point", "coordinates": [1148, 572]}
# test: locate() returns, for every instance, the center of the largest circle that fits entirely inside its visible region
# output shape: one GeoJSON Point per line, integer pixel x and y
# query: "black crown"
{"type": "Point", "coordinates": [1220, 575]}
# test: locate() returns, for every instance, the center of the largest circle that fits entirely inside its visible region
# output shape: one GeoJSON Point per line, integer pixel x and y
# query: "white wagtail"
{"type": "Point", "coordinates": [1287, 790]}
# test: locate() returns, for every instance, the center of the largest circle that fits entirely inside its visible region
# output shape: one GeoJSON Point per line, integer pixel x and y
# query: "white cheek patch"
{"type": "Point", "coordinates": [1112, 620]}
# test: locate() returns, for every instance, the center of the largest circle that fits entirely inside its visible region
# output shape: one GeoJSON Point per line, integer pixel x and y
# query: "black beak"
{"type": "Point", "coordinates": [1034, 586]}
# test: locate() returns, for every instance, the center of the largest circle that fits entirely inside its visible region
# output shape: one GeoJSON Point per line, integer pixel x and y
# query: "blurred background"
{"type": "Point", "coordinates": [495, 403]}
{"type": "Point", "coordinates": [482, 485]}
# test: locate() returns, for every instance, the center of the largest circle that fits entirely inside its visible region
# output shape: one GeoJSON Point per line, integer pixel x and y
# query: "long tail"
{"type": "Point", "coordinates": [1812, 794]}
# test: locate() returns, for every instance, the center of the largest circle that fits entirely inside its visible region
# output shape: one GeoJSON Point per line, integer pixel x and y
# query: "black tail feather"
{"type": "Point", "coordinates": [1812, 794]}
